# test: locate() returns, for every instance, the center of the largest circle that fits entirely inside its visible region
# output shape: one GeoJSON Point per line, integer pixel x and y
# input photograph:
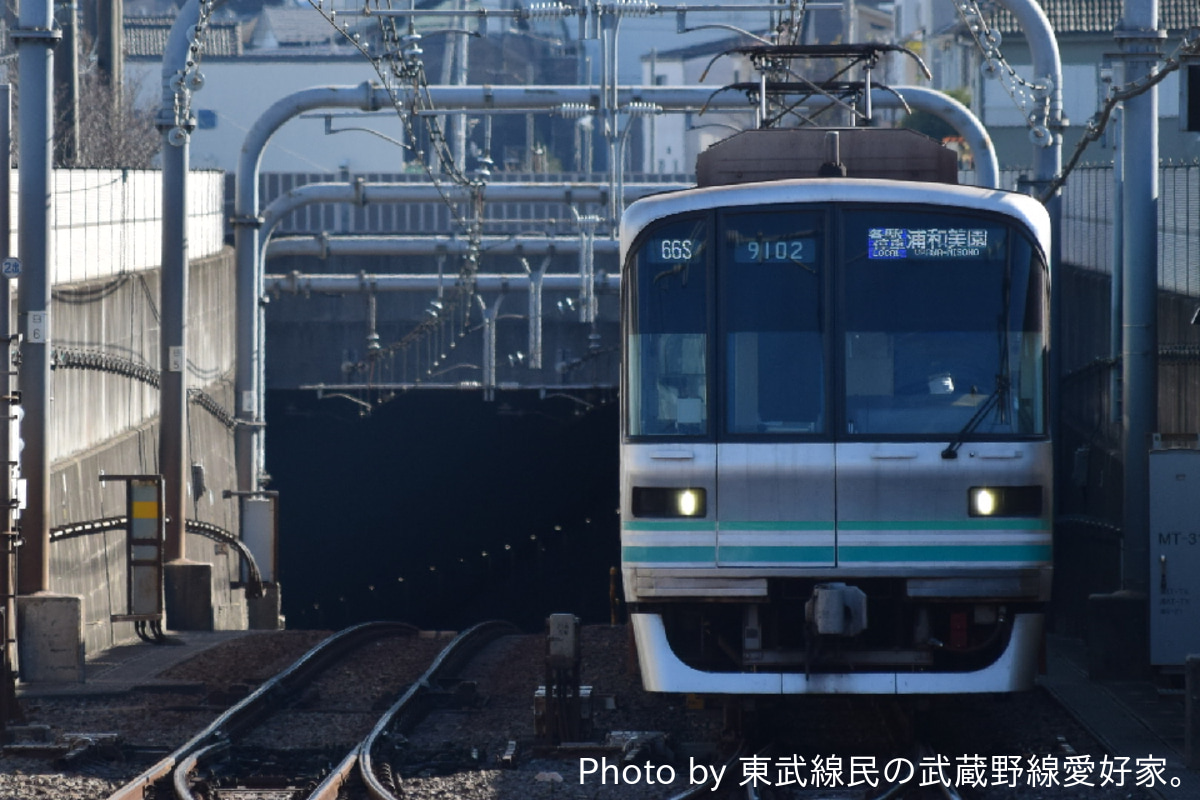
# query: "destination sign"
{"type": "Point", "coordinates": [896, 243]}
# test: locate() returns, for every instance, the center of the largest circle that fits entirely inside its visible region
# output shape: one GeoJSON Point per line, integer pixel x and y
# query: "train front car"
{"type": "Point", "coordinates": [836, 466]}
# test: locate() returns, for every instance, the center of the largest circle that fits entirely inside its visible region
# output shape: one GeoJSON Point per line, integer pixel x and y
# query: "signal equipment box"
{"type": "Point", "coordinates": [1174, 554]}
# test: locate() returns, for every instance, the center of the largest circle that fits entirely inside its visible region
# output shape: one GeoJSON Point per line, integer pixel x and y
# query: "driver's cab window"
{"type": "Point", "coordinates": [668, 343]}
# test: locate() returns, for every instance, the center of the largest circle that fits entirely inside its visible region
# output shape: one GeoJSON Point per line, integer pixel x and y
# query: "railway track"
{"type": "Point", "coordinates": [464, 728]}
{"type": "Point", "coordinates": [288, 739]}
{"type": "Point", "coordinates": [375, 774]}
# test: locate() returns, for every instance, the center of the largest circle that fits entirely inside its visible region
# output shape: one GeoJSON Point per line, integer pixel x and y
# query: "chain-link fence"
{"type": "Point", "coordinates": [1088, 230]}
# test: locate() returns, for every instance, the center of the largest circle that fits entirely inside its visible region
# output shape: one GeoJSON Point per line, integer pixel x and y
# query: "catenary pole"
{"type": "Point", "coordinates": [8, 473]}
{"type": "Point", "coordinates": [174, 123]}
{"type": "Point", "coordinates": [1139, 36]}
{"type": "Point", "coordinates": [35, 38]}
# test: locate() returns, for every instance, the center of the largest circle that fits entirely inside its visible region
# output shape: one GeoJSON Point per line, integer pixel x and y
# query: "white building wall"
{"type": "Point", "coordinates": [108, 222]}
{"type": "Point", "coordinates": [238, 91]}
{"type": "Point", "coordinates": [678, 139]}
{"type": "Point", "coordinates": [1083, 92]}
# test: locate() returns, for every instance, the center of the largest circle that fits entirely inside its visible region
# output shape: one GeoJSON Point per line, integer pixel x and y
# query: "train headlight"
{"type": "Point", "coordinates": [983, 502]}
{"type": "Point", "coordinates": [1004, 501]}
{"type": "Point", "coordinates": [687, 502]}
{"type": "Point", "coordinates": [669, 502]}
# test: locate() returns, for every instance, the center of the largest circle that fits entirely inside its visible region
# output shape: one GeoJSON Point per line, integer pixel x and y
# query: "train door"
{"type": "Point", "coordinates": [775, 488]}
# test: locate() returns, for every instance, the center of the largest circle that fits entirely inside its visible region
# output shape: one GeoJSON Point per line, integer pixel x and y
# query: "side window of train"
{"type": "Point", "coordinates": [770, 319]}
{"type": "Point", "coordinates": [668, 332]}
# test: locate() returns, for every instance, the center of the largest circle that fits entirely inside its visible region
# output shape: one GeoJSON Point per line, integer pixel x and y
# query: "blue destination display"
{"type": "Point", "coordinates": [927, 242]}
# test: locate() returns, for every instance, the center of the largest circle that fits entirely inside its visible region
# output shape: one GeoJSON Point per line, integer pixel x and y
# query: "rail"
{"type": "Point", "coordinates": [269, 695]}
{"type": "Point", "coordinates": [457, 653]}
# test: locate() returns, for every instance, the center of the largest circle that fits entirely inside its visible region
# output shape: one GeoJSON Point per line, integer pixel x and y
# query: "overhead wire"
{"type": "Point", "coordinates": [400, 62]}
{"type": "Point", "coordinates": [1024, 93]}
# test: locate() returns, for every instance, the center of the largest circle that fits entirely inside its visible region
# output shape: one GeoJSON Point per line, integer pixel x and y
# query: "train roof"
{"type": "Point", "coordinates": [885, 193]}
{"type": "Point", "coordinates": [772, 154]}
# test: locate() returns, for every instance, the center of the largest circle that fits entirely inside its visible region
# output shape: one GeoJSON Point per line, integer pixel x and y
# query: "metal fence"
{"type": "Point", "coordinates": [109, 222]}
{"type": "Point", "coordinates": [1088, 231]}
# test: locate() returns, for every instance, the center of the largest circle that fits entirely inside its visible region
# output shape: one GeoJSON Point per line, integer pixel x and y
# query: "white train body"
{"type": "Point", "coordinates": [836, 459]}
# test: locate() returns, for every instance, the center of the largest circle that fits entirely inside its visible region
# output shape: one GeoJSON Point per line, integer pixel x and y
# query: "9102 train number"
{"type": "Point", "coordinates": [795, 251]}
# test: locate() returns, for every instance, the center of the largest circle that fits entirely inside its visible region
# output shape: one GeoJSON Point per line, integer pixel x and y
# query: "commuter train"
{"type": "Point", "coordinates": [836, 466]}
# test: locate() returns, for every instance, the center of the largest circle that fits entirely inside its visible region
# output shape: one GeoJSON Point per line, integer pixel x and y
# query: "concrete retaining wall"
{"type": "Point", "coordinates": [105, 419]}
{"type": "Point", "coordinates": [115, 322]}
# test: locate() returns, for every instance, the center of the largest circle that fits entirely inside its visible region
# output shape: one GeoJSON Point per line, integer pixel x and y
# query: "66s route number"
{"type": "Point", "coordinates": [677, 249]}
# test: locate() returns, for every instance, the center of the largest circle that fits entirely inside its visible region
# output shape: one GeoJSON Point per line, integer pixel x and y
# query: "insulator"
{"type": "Point", "coordinates": [633, 8]}
{"type": "Point", "coordinates": [575, 110]}
{"type": "Point", "coordinates": [642, 108]}
{"type": "Point", "coordinates": [548, 11]}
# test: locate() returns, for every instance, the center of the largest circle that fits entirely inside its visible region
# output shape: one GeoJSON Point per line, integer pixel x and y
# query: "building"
{"type": "Point", "coordinates": [249, 63]}
{"type": "Point", "coordinates": [1084, 31]}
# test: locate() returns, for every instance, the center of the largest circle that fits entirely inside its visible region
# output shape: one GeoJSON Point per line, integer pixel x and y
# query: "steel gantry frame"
{"type": "Point", "coordinates": [608, 100]}
{"type": "Point", "coordinates": [466, 99]}
{"type": "Point", "coordinates": [252, 228]}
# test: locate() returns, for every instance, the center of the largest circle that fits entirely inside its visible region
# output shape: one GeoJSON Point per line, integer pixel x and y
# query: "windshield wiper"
{"type": "Point", "coordinates": [985, 407]}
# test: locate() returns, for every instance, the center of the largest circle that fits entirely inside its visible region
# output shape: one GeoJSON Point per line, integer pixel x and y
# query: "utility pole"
{"type": "Point", "coordinates": [1139, 36]}
{"type": "Point", "coordinates": [8, 448]}
{"type": "Point", "coordinates": [182, 581]}
{"type": "Point", "coordinates": [49, 626]}
{"type": "Point", "coordinates": [36, 37]}
{"type": "Point", "coordinates": [110, 45]}
{"type": "Point", "coordinates": [66, 78]}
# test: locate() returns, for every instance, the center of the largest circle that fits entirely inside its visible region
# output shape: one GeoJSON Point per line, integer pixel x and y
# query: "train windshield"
{"type": "Point", "coordinates": [942, 326]}
{"type": "Point", "coordinates": [770, 292]}
{"type": "Point", "coordinates": [667, 354]}
{"type": "Point", "coordinates": [819, 322]}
